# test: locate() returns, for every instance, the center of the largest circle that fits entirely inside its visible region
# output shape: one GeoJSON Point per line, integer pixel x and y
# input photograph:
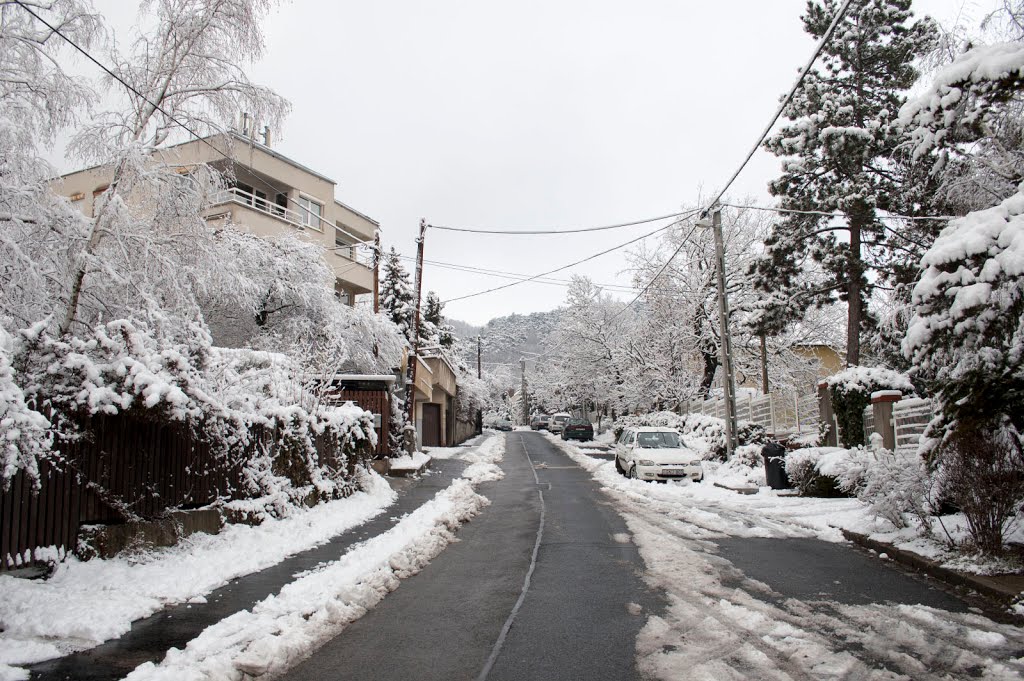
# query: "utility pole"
{"type": "Point", "coordinates": [418, 285]}
{"type": "Point", "coordinates": [526, 407]}
{"type": "Point", "coordinates": [764, 364]}
{"type": "Point", "coordinates": [728, 382]}
{"type": "Point", "coordinates": [376, 271]}
{"type": "Point", "coordinates": [479, 373]}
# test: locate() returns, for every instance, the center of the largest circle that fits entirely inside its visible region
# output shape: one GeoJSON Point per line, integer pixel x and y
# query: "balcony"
{"type": "Point", "coordinates": [356, 252]}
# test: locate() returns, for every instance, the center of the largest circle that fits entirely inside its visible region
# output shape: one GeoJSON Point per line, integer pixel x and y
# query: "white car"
{"type": "Point", "coordinates": [558, 421]}
{"type": "Point", "coordinates": [650, 453]}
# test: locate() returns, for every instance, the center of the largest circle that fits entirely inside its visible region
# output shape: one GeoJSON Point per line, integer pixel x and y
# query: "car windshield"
{"type": "Point", "coordinates": [579, 422]}
{"type": "Point", "coordinates": [657, 440]}
{"type": "Point", "coordinates": [561, 418]}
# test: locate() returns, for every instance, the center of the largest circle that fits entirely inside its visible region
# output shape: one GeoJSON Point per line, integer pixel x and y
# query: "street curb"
{"type": "Point", "coordinates": [985, 586]}
{"type": "Point", "coordinates": [738, 490]}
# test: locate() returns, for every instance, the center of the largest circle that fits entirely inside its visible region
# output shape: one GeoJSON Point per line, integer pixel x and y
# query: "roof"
{"type": "Point", "coordinates": [246, 140]}
{"type": "Point", "coordinates": [653, 429]}
{"type": "Point", "coordinates": [387, 378]}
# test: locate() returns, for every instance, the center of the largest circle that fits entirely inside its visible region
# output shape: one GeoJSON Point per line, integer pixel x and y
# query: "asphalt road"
{"type": "Point", "coordinates": [544, 584]}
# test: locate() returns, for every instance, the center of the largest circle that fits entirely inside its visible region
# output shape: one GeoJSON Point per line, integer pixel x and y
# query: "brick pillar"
{"type": "Point", "coordinates": [881, 408]}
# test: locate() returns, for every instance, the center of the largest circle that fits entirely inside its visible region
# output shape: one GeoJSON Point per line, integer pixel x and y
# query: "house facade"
{"type": "Point", "coordinates": [434, 409]}
{"type": "Point", "coordinates": [267, 194]}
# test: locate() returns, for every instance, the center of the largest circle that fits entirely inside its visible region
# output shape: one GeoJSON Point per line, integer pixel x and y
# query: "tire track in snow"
{"type": "Point", "coordinates": [805, 641]}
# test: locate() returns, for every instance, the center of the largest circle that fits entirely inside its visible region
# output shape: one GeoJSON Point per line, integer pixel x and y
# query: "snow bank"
{"type": "Point", "coordinates": [286, 627]}
{"type": "Point", "coordinates": [86, 603]}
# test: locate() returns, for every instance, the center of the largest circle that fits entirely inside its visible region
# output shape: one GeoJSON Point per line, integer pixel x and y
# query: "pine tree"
{"type": "Point", "coordinates": [841, 153]}
{"type": "Point", "coordinates": [396, 295]}
{"type": "Point", "coordinates": [436, 331]}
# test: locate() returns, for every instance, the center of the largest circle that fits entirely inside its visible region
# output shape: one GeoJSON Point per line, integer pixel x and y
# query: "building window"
{"type": "Point", "coordinates": [310, 213]}
{"type": "Point", "coordinates": [343, 244]}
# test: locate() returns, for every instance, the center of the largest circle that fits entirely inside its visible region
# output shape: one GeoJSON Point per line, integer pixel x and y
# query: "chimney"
{"type": "Point", "coordinates": [266, 135]}
{"type": "Point", "coordinates": [246, 130]}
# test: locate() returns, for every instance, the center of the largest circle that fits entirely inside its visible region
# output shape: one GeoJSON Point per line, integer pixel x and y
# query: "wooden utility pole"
{"type": "Point", "coordinates": [728, 382]}
{"type": "Point", "coordinates": [410, 390]}
{"type": "Point", "coordinates": [526, 407]}
{"type": "Point", "coordinates": [376, 271]}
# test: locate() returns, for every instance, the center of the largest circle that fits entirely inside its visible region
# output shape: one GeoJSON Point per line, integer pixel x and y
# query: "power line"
{"type": "Point", "coordinates": [786, 100]}
{"type": "Point", "coordinates": [778, 113]}
{"type": "Point", "coordinates": [116, 77]}
{"type": "Point", "coordinates": [572, 230]}
{"type": "Point", "coordinates": [468, 269]}
{"type": "Point", "coordinates": [131, 88]}
{"type": "Point", "coordinates": [888, 216]}
{"type": "Point", "coordinates": [565, 267]}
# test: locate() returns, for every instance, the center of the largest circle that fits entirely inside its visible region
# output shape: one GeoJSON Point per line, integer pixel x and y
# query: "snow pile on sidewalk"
{"type": "Point", "coordinates": [284, 628]}
{"type": "Point", "coordinates": [86, 603]}
{"type": "Point", "coordinates": [482, 453]}
{"type": "Point", "coordinates": [410, 463]}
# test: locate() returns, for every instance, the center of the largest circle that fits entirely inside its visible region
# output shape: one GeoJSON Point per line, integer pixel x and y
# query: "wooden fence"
{"type": "Point", "coordinates": [377, 403]}
{"type": "Point", "coordinates": [126, 468]}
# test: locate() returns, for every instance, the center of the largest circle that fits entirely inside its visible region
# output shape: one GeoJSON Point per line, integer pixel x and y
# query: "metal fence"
{"type": "Point", "coordinates": [781, 414]}
{"type": "Point", "coordinates": [910, 418]}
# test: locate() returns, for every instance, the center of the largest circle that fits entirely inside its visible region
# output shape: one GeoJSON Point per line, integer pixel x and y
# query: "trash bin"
{"type": "Point", "coordinates": [775, 465]}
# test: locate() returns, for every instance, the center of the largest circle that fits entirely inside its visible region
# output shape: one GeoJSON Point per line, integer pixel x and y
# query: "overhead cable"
{"type": "Point", "coordinates": [827, 214]}
{"type": "Point", "coordinates": [572, 264]}
{"type": "Point", "coordinates": [785, 100]}
{"type": "Point", "coordinates": [571, 230]}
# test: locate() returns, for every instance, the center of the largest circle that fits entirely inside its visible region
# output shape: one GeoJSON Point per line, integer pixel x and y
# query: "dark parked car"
{"type": "Point", "coordinates": [578, 429]}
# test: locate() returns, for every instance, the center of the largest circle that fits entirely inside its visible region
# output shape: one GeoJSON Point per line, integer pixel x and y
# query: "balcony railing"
{"type": "Point", "coordinates": [358, 252]}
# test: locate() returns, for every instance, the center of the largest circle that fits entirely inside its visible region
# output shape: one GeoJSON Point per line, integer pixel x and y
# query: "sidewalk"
{"type": "Point", "coordinates": [1002, 590]}
{"type": "Point", "coordinates": [173, 627]}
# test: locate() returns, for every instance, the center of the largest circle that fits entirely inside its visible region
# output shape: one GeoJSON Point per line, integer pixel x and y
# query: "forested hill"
{"type": "Point", "coordinates": [506, 339]}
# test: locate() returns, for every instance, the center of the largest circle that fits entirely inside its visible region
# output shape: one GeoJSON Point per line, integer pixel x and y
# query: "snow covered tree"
{"type": "Point", "coordinates": [840, 155]}
{"type": "Point", "coordinates": [187, 66]}
{"type": "Point", "coordinates": [397, 299]}
{"type": "Point", "coordinates": [436, 330]}
{"type": "Point", "coordinates": [583, 368]}
{"type": "Point", "coordinates": [966, 335]}
{"type": "Point", "coordinates": [37, 101]}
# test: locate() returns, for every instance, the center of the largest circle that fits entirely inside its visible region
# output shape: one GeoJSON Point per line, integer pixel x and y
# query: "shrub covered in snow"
{"type": "Point", "coordinates": [850, 391]}
{"type": "Point", "coordinates": [982, 473]}
{"type": "Point", "coordinates": [238, 400]}
{"type": "Point", "coordinates": [814, 470]}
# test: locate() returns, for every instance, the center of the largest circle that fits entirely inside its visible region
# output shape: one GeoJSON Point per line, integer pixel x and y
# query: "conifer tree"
{"type": "Point", "coordinates": [396, 295]}
{"type": "Point", "coordinates": [840, 154]}
{"type": "Point", "coordinates": [435, 329]}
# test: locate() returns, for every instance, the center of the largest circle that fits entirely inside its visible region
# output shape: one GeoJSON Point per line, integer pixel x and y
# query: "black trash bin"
{"type": "Point", "coordinates": [775, 465]}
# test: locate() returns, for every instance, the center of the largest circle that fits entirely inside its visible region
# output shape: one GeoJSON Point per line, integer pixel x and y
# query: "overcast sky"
{"type": "Point", "coordinates": [524, 114]}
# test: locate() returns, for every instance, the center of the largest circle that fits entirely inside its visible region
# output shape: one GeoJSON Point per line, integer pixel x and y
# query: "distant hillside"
{"type": "Point", "coordinates": [506, 339]}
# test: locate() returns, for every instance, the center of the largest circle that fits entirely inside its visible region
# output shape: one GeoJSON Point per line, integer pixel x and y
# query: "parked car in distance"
{"type": "Point", "coordinates": [578, 429]}
{"type": "Point", "coordinates": [558, 421]}
{"type": "Point", "coordinates": [651, 453]}
{"type": "Point", "coordinates": [503, 424]}
{"type": "Point", "coordinates": [539, 421]}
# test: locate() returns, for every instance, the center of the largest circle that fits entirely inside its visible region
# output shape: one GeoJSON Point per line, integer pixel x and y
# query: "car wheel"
{"type": "Point", "coordinates": [633, 474]}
